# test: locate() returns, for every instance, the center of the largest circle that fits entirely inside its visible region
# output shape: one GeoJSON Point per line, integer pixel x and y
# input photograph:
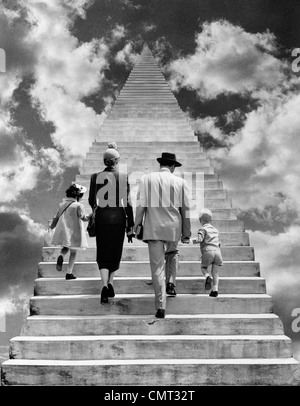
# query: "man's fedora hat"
{"type": "Point", "coordinates": [167, 158]}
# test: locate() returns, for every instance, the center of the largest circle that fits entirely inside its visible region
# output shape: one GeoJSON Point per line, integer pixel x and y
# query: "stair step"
{"type": "Point", "coordinates": [210, 324]}
{"type": "Point", "coordinates": [227, 239]}
{"type": "Point", "coordinates": [88, 170]}
{"type": "Point", "coordinates": [131, 285]}
{"type": "Point", "coordinates": [140, 253]}
{"type": "Point", "coordinates": [158, 372]}
{"type": "Point", "coordinates": [144, 304]}
{"type": "Point", "coordinates": [83, 269]}
{"type": "Point", "coordinates": [125, 347]}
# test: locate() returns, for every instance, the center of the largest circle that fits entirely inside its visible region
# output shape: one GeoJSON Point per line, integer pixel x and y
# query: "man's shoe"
{"type": "Point", "coordinates": [59, 263]}
{"type": "Point", "coordinates": [208, 283]}
{"type": "Point", "coordinates": [104, 295]}
{"type": "Point", "coordinates": [70, 276]}
{"type": "Point", "coordinates": [170, 289]}
{"type": "Point", "coordinates": [160, 314]}
{"type": "Point", "coordinates": [213, 293]}
{"type": "Point", "coordinates": [110, 290]}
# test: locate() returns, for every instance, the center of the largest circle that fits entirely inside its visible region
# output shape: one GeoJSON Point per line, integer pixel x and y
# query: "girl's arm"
{"type": "Point", "coordinates": [81, 213]}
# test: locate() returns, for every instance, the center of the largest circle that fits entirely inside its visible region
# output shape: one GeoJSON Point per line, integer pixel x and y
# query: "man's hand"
{"type": "Point", "coordinates": [185, 240]}
{"type": "Point", "coordinates": [195, 241]}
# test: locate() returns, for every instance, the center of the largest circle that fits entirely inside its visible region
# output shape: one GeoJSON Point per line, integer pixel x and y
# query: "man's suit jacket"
{"type": "Point", "coordinates": [163, 207]}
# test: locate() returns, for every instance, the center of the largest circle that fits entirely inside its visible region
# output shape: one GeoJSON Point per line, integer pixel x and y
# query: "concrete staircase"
{"type": "Point", "coordinates": [234, 339]}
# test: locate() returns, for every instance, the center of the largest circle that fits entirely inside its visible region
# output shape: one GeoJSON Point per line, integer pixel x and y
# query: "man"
{"type": "Point", "coordinates": [163, 209]}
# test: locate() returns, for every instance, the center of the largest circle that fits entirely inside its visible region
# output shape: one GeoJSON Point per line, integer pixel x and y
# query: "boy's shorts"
{"type": "Point", "coordinates": [211, 257]}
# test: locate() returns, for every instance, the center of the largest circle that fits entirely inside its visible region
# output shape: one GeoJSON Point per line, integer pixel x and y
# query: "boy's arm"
{"type": "Point", "coordinates": [200, 236]}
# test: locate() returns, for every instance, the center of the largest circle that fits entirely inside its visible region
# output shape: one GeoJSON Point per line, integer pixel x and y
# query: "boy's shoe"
{"type": "Point", "coordinates": [170, 289]}
{"type": "Point", "coordinates": [160, 314]}
{"type": "Point", "coordinates": [213, 293]}
{"type": "Point", "coordinates": [59, 263]}
{"type": "Point", "coordinates": [70, 276]}
{"type": "Point", "coordinates": [208, 282]}
{"type": "Point", "coordinates": [110, 290]}
{"type": "Point", "coordinates": [104, 295]}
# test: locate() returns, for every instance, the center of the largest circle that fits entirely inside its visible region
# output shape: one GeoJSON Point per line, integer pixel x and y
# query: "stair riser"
{"type": "Point", "coordinates": [227, 239]}
{"type": "Point", "coordinates": [139, 162]}
{"type": "Point", "coordinates": [211, 203]}
{"type": "Point", "coordinates": [141, 254]}
{"type": "Point", "coordinates": [148, 136]}
{"type": "Point", "coordinates": [195, 208]}
{"type": "Point", "coordinates": [207, 177]}
{"type": "Point", "coordinates": [182, 304]}
{"type": "Point", "coordinates": [153, 374]}
{"type": "Point", "coordinates": [92, 287]}
{"type": "Point", "coordinates": [150, 151]}
{"type": "Point", "coordinates": [90, 270]}
{"type": "Point", "coordinates": [210, 325]}
{"type": "Point", "coordinates": [211, 189]}
{"type": "Point", "coordinates": [88, 170]}
{"type": "Point", "coordinates": [116, 349]}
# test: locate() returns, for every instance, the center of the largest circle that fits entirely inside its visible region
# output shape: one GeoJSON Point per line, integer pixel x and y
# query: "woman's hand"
{"type": "Point", "coordinates": [130, 234]}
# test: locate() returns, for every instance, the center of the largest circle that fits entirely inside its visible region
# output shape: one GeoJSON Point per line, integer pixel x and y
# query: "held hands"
{"type": "Point", "coordinates": [185, 240]}
{"type": "Point", "coordinates": [130, 234]}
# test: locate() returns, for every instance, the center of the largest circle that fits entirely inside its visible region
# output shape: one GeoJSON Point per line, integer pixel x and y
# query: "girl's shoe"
{"type": "Point", "coordinates": [213, 293]}
{"type": "Point", "coordinates": [104, 295]}
{"type": "Point", "coordinates": [59, 263]}
{"type": "Point", "coordinates": [110, 290]}
{"type": "Point", "coordinates": [70, 276]}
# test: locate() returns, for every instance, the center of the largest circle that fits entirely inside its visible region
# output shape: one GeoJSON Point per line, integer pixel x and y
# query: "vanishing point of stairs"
{"type": "Point", "coordinates": [234, 339]}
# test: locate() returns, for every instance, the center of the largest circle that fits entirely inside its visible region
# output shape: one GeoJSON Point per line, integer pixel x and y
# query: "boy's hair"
{"type": "Point", "coordinates": [205, 215]}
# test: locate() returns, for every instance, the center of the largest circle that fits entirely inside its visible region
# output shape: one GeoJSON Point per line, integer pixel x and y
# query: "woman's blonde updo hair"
{"type": "Point", "coordinates": [111, 156]}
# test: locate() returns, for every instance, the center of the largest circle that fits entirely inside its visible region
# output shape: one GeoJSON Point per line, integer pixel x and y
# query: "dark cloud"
{"type": "Point", "coordinates": [272, 218]}
{"type": "Point", "coordinates": [20, 252]}
{"type": "Point", "coordinates": [20, 54]}
{"type": "Point", "coordinates": [285, 299]}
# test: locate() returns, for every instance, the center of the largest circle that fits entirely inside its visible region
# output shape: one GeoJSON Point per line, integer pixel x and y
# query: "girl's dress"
{"type": "Point", "coordinates": [70, 231]}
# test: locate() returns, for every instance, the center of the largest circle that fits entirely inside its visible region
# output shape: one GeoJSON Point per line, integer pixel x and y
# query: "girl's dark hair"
{"type": "Point", "coordinates": [74, 192]}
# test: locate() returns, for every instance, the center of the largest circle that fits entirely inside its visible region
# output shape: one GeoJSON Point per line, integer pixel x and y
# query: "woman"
{"type": "Point", "coordinates": [69, 231]}
{"type": "Point", "coordinates": [110, 194]}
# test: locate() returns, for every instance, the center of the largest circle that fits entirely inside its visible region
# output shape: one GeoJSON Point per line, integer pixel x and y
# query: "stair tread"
{"type": "Point", "coordinates": [168, 316]}
{"type": "Point", "coordinates": [149, 295]}
{"type": "Point", "coordinates": [164, 361]}
{"type": "Point", "coordinates": [169, 337]}
{"type": "Point", "coordinates": [148, 278]}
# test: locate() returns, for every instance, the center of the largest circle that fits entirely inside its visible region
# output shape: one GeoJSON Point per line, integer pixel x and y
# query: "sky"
{"type": "Point", "coordinates": [230, 64]}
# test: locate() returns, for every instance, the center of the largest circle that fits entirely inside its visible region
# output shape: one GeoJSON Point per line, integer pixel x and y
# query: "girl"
{"type": "Point", "coordinates": [69, 231]}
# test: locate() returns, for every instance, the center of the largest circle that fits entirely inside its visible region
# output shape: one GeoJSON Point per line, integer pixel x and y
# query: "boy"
{"type": "Point", "coordinates": [208, 237]}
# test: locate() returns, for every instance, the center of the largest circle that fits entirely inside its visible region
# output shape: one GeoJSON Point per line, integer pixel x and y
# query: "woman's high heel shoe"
{"type": "Point", "coordinates": [104, 295]}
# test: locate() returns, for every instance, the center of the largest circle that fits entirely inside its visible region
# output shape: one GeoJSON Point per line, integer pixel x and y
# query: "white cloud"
{"type": "Point", "coordinates": [66, 72]}
{"type": "Point", "coordinates": [228, 59]}
{"type": "Point", "coordinates": [126, 56]}
{"type": "Point", "coordinates": [261, 157]}
{"type": "Point", "coordinates": [264, 154]}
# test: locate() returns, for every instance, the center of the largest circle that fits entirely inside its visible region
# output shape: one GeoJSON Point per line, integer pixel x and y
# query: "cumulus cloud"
{"type": "Point", "coordinates": [255, 151]}
{"type": "Point", "coordinates": [228, 59]}
{"type": "Point", "coordinates": [279, 258]}
{"type": "Point", "coordinates": [264, 153]}
{"type": "Point", "coordinates": [127, 56]}
{"type": "Point", "coordinates": [65, 72]}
